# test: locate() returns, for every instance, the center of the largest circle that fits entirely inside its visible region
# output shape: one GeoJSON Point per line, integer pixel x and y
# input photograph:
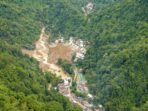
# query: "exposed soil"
{"type": "Point", "coordinates": [48, 53]}
{"type": "Point", "coordinates": [63, 51]}
{"type": "Point", "coordinates": [47, 56]}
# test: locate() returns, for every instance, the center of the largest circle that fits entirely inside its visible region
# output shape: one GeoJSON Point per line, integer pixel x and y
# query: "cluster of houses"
{"type": "Point", "coordinates": [82, 88]}
{"type": "Point", "coordinates": [64, 87]}
{"type": "Point", "coordinates": [78, 47]}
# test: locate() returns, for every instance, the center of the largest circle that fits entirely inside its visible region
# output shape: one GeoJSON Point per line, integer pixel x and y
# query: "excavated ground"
{"type": "Point", "coordinates": [63, 51]}
{"type": "Point", "coordinates": [48, 54]}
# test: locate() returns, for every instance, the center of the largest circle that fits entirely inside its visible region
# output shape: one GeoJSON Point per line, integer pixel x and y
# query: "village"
{"type": "Point", "coordinates": [85, 103]}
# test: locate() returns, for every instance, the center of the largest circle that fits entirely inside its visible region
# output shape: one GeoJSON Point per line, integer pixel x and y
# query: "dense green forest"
{"type": "Point", "coordinates": [23, 87]}
{"type": "Point", "coordinates": [116, 62]}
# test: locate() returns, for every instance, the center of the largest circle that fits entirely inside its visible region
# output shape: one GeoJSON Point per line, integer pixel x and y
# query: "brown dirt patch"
{"type": "Point", "coordinates": [60, 51]}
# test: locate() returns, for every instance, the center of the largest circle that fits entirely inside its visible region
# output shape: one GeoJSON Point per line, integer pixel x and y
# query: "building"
{"type": "Point", "coordinates": [64, 88]}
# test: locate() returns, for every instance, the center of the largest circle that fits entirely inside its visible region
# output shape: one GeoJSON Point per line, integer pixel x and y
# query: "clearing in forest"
{"type": "Point", "coordinates": [48, 53]}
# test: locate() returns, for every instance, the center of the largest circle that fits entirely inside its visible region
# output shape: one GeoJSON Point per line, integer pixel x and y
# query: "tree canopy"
{"type": "Point", "coordinates": [115, 65]}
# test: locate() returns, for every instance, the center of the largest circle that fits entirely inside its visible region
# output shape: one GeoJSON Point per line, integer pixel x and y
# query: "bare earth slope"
{"type": "Point", "coordinates": [47, 55]}
{"type": "Point", "coordinates": [41, 54]}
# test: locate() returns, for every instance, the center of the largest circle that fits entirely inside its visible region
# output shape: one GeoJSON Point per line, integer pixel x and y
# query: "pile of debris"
{"type": "Point", "coordinates": [78, 47]}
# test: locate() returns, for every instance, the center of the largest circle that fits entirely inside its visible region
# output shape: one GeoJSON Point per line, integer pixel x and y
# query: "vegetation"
{"type": "Point", "coordinates": [116, 62]}
{"type": "Point", "coordinates": [66, 66]}
{"type": "Point", "coordinates": [74, 90]}
{"type": "Point", "coordinates": [23, 87]}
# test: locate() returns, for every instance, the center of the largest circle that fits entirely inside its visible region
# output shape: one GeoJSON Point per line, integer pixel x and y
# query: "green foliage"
{"type": "Point", "coordinates": [62, 18]}
{"type": "Point", "coordinates": [18, 22]}
{"type": "Point", "coordinates": [54, 106]}
{"type": "Point", "coordinates": [51, 78]}
{"type": "Point", "coordinates": [23, 87]}
{"type": "Point", "coordinates": [66, 66]}
{"type": "Point", "coordinates": [116, 62]}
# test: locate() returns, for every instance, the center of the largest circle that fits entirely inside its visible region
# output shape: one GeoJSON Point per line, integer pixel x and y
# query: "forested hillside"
{"type": "Point", "coordinates": [115, 65]}
{"type": "Point", "coordinates": [66, 18]}
{"type": "Point", "coordinates": [116, 62]}
{"type": "Point", "coordinates": [23, 87]}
